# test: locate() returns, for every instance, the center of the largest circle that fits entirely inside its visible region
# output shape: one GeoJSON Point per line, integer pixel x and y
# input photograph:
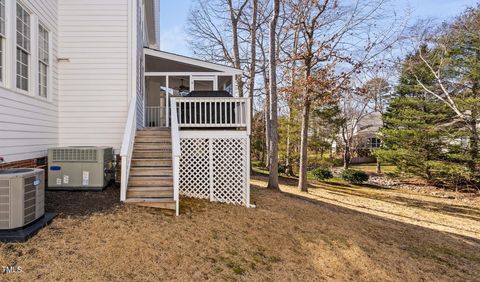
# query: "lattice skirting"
{"type": "Point", "coordinates": [215, 169]}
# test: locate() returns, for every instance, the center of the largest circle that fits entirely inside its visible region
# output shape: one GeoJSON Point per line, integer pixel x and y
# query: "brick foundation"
{"type": "Point", "coordinates": [31, 163]}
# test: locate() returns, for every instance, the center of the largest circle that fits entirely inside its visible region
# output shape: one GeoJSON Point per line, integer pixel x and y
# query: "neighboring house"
{"type": "Point", "coordinates": [365, 138]}
{"type": "Point", "coordinates": [90, 73]}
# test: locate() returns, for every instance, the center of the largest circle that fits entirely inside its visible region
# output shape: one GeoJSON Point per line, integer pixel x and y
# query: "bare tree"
{"type": "Point", "coordinates": [354, 104]}
{"type": "Point", "coordinates": [253, 51]}
{"type": "Point", "coordinates": [378, 90]}
{"type": "Point", "coordinates": [332, 36]}
{"type": "Point", "coordinates": [235, 14]}
{"type": "Point", "coordinates": [273, 176]}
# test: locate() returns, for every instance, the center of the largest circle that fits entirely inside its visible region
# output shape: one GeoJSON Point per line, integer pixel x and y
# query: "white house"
{"type": "Point", "coordinates": [365, 137]}
{"type": "Point", "coordinates": [90, 73]}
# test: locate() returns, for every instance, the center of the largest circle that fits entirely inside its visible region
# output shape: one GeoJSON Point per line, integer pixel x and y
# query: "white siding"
{"type": "Point", "coordinates": [93, 82]}
{"type": "Point", "coordinates": [28, 123]}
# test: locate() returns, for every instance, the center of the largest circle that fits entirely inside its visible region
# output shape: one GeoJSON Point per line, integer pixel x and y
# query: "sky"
{"type": "Point", "coordinates": [174, 14]}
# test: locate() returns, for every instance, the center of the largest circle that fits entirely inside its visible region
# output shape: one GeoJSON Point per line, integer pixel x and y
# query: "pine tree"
{"type": "Point", "coordinates": [417, 137]}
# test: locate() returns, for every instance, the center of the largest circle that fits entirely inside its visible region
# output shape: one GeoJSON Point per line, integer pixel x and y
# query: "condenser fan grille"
{"type": "Point", "coordinates": [74, 155]}
{"type": "Point", "coordinates": [29, 200]}
{"type": "Point", "coordinates": [4, 203]}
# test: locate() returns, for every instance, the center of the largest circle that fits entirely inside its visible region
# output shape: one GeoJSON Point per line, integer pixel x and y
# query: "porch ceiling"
{"type": "Point", "coordinates": [159, 61]}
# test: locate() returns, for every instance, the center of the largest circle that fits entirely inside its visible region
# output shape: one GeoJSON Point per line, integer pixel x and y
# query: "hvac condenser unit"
{"type": "Point", "coordinates": [22, 197]}
{"type": "Point", "coordinates": [80, 168]}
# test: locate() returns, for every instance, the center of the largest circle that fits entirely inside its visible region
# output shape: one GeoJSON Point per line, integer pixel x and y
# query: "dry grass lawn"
{"type": "Point", "coordinates": [302, 237]}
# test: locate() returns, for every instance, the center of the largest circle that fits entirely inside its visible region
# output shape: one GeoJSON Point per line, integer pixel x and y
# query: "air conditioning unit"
{"type": "Point", "coordinates": [80, 168]}
{"type": "Point", "coordinates": [22, 197]}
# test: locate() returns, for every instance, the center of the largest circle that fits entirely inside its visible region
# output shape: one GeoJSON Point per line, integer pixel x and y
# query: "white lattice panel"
{"type": "Point", "coordinates": [195, 168]}
{"type": "Point", "coordinates": [230, 171]}
{"type": "Point", "coordinates": [215, 168]}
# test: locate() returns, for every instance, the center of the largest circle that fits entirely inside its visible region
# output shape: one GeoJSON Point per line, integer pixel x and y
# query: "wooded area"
{"type": "Point", "coordinates": [317, 70]}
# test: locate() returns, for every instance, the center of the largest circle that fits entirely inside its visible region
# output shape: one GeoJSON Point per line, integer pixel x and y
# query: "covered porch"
{"type": "Point", "coordinates": [190, 135]}
{"type": "Point", "coordinates": [206, 93]}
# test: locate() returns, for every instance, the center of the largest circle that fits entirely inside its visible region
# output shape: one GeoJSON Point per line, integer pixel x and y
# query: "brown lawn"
{"type": "Point", "coordinates": [332, 233]}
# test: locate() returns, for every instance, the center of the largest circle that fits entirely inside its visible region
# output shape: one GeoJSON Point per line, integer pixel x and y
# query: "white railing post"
{"type": "Point", "coordinates": [167, 108]}
{"type": "Point", "coordinates": [176, 153]}
{"type": "Point", "coordinates": [127, 148]}
{"type": "Point", "coordinates": [248, 115]}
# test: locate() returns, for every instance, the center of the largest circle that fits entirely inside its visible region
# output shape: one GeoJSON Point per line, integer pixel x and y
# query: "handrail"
{"type": "Point", "coordinates": [127, 147]}
{"type": "Point", "coordinates": [176, 152]}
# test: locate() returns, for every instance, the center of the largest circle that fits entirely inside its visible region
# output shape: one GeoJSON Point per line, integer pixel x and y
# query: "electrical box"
{"type": "Point", "coordinates": [80, 168]}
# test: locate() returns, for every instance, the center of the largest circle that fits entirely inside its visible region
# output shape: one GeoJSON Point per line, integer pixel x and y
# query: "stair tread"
{"type": "Point", "coordinates": [156, 150]}
{"type": "Point", "coordinates": [152, 177]}
{"type": "Point", "coordinates": [150, 188]}
{"type": "Point", "coordinates": [156, 168]}
{"type": "Point", "coordinates": [150, 182]}
{"type": "Point", "coordinates": [149, 159]}
{"type": "Point", "coordinates": [149, 167]}
{"type": "Point", "coordinates": [151, 200]}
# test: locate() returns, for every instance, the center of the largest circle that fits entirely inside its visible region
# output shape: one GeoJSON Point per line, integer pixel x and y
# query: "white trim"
{"type": "Point", "coordinates": [191, 61]}
{"type": "Point", "coordinates": [210, 168]}
{"type": "Point", "coordinates": [132, 49]}
{"type": "Point", "coordinates": [186, 73]}
{"type": "Point", "coordinates": [34, 63]}
{"type": "Point", "coordinates": [11, 46]}
{"type": "Point", "coordinates": [30, 53]}
{"type": "Point", "coordinates": [213, 134]}
{"type": "Point", "coordinates": [196, 77]}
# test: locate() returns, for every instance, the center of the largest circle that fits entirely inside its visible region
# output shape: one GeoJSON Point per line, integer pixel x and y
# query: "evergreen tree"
{"type": "Point", "coordinates": [417, 136]}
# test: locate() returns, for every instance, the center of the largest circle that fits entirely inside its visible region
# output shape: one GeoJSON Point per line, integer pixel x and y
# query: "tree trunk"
{"type": "Point", "coordinates": [253, 53]}
{"type": "Point", "coordinates": [236, 55]}
{"type": "Point", "coordinates": [234, 18]}
{"type": "Point", "coordinates": [474, 142]}
{"type": "Point", "coordinates": [379, 167]}
{"type": "Point", "coordinates": [273, 176]}
{"type": "Point", "coordinates": [347, 156]}
{"type": "Point", "coordinates": [302, 182]}
{"type": "Point", "coordinates": [288, 163]}
{"type": "Point", "coordinates": [266, 82]}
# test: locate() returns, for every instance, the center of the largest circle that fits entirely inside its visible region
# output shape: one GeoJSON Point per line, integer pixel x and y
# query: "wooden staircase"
{"type": "Point", "coordinates": [150, 180]}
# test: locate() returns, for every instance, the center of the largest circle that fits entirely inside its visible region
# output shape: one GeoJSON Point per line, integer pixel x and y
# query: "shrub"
{"type": "Point", "coordinates": [282, 168]}
{"type": "Point", "coordinates": [354, 176]}
{"type": "Point", "coordinates": [322, 173]}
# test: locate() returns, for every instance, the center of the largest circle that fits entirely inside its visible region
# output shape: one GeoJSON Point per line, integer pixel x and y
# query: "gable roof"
{"type": "Point", "coordinates": [206, 66]}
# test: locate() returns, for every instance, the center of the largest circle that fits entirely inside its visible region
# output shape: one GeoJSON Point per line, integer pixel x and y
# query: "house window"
{"type": "Point", "coordinates": [374, 142]}
{"type": "Point", "coordinates": [23, 47]}
{"type": "Point", "coordinates": [43, 60]}
{"type": "Point", "coordinates": [2, 39]}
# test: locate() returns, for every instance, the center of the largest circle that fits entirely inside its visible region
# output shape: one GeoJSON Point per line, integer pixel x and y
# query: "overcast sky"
{"type": "Point", "coordinates": [174, 15]}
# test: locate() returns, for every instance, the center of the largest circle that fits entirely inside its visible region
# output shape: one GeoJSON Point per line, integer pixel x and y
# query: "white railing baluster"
{"type": "Point", "coordinates": [212, 112]}
{"type": "Point", "coordinates": [232, 111]}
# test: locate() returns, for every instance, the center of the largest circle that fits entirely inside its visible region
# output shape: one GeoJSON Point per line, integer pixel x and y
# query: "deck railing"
{"type": "Point", "coordinates": [176, 153]}
{"type": "Point", "coordinates": [127, 148]}
{"type": "Point", "coordinates": [213, 112]}
{"type": "Point", "coordinates": [155, 116]}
